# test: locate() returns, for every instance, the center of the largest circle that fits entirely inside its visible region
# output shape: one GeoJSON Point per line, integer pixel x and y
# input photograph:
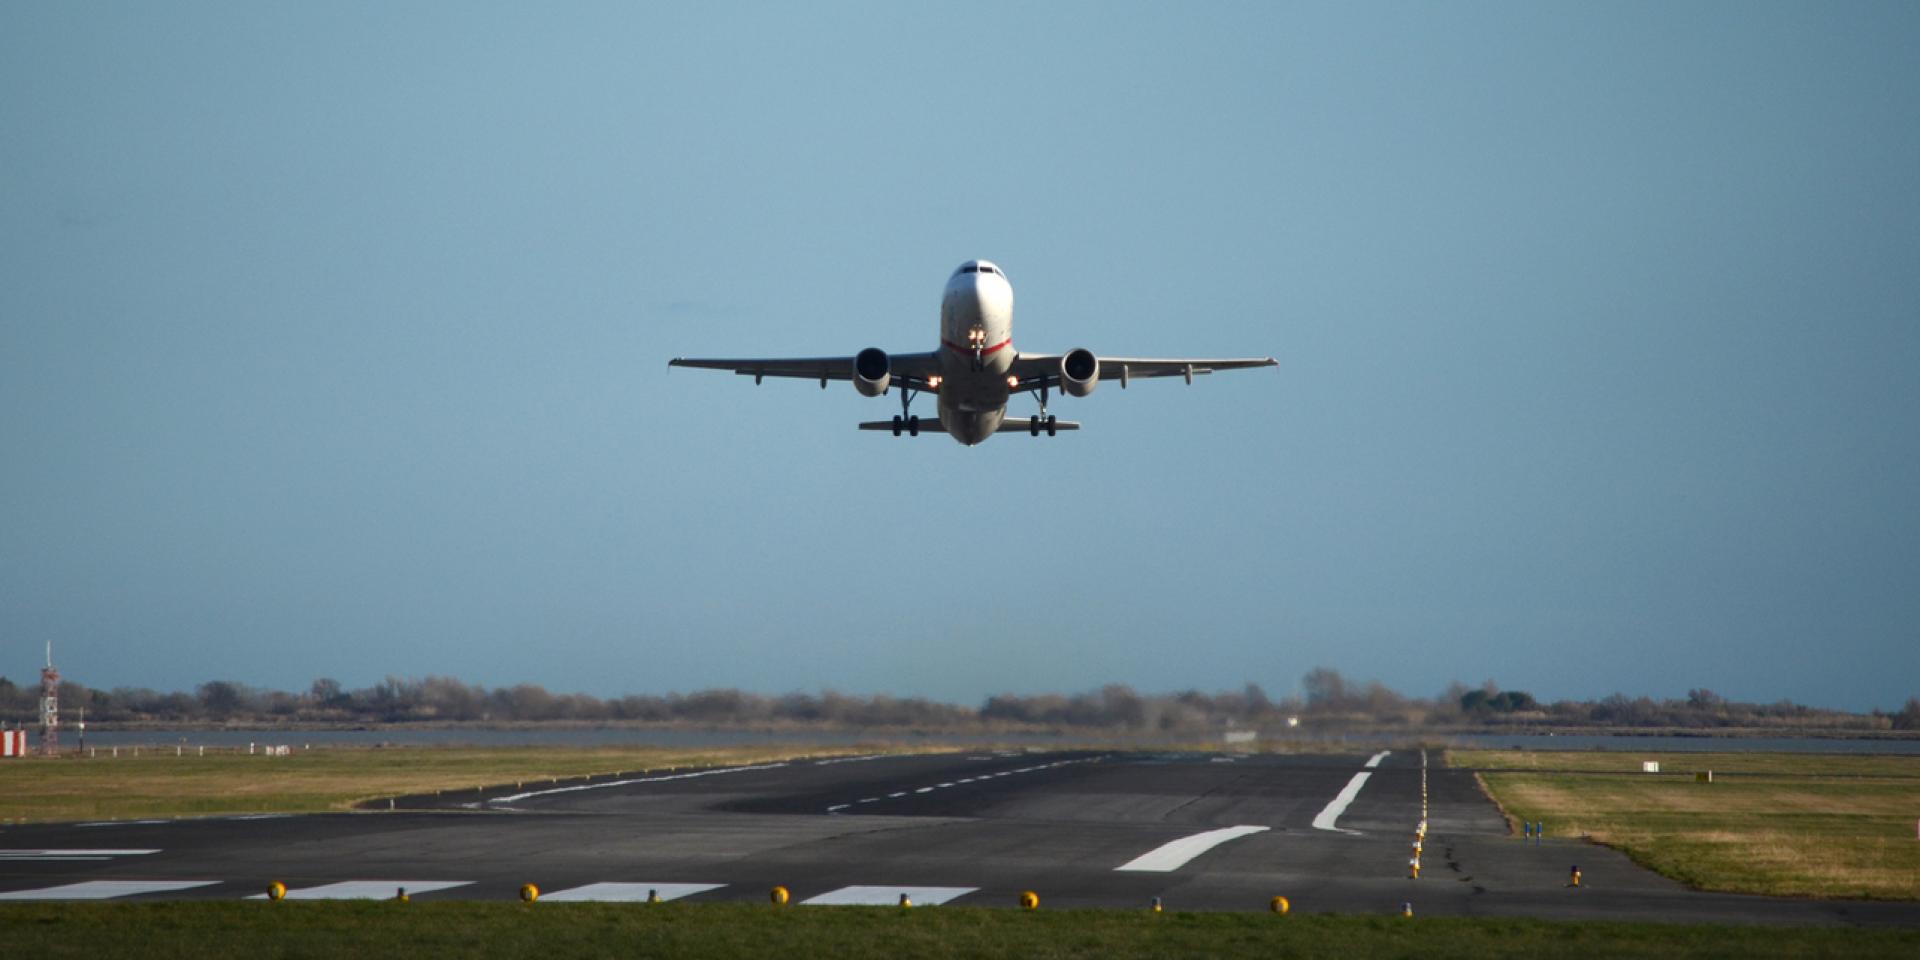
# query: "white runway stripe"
{"type": "Point", "coordinates": [1331, 815]}
{"type": "Point", "coordinates": [105, 889]}
{"type": "Point", "coordinates": [517, 797]}
{"type": "Point", "coordinates": [1174, 854]}
{"type": "Point", "coordinates": [836, 808]}
{"type": "Point", "coordinates": [367, 889]}
{"type": "Point", "coordinates": [11, 856]}
{"type": "Point", "coordinates": [630, 892]}
{"type": "Point", "coordinates": [887, 896]}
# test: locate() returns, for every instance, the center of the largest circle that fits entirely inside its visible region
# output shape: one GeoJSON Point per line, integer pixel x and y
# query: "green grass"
{"type": "Point", "coordinates": [159, 784]}
{"type": "Point", "coordinates": [1781, 824]}
{"type": "Point", "coordinates": [254, 931]}
{"type": "Point", "coordinates": [1685, 764]}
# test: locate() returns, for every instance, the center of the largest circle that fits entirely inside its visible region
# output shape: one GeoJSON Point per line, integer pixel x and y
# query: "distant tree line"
{"type": "Point", "coordinates": [1327, 699]}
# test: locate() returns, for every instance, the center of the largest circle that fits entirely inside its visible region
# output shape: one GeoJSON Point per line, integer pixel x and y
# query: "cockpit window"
{"type": "Point", "coordinates": [986, 269]}
{"type": "Point", "coordinates": [969, 268]}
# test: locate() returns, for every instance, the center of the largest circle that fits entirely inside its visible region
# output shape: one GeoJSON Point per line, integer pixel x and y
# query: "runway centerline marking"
{"type": "Point", "coordinates": [836, 808]}
{"type": "Point", "coordinates": [1328, 817]}
{"type": "Point", "coordinates": [1174, 854]}
{"type": "Point", "coordinates": [517, 797]}
{"type": "Point", "coordinates": [104, 889]}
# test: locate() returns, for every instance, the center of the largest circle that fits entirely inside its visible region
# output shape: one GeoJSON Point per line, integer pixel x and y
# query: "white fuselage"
{"type": "Point", "coordinates": [976, 351]}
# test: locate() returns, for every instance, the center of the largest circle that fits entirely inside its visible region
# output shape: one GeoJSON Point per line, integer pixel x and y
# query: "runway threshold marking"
{"type": "Point", "coordinates": [610, 892]}
{"type": "Point", "coordinates": [104, 889]}
{"type": "Point", "coordinates": [1174, 854]}
{"type": "Point", "coordinates": [873, 896]}
{"type": "Point", "coordinates": [576, 788]}
{"type": "Point", "coordinates": [1328, 817]}
{"type": "Point", "coordinates": [367, 889]}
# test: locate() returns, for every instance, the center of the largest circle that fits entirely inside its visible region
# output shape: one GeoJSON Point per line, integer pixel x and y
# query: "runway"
{"type": "Point", "coordinates": [1080, 829]}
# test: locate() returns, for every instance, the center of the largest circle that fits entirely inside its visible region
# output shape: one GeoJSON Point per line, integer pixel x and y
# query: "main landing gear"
{"type": "Point", "coordinates": [1042, 421]}
{"type": "Point", "coordinates": [904, 419]}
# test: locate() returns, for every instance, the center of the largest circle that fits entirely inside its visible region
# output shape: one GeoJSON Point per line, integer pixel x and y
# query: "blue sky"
{"type": "Point", "coordinates": [333, 342]}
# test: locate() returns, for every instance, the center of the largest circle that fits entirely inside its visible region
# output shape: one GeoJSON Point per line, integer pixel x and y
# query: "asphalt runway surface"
{"type": "Point", "coordinates": [1199, 831]}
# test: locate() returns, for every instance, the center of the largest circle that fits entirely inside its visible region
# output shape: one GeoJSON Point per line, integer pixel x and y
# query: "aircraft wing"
{"type": "Point", "coordinates": [1038, 370]}
{"type": "Point", "coordinates": [912, 368]}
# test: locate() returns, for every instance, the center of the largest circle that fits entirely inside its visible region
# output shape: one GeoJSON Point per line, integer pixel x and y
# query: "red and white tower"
{"type": "Point", "coordinates": [49, 706]}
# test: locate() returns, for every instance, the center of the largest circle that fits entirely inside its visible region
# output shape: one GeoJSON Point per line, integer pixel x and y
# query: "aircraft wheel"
{"type": "Point", "coordinates": [896, 424]}
{"type": "Point", "coordinates": [1051, 422]}
{"type": "Point", "coordinates": [1033, 426]}
{"type": "Point", "coordinates": [913, 426]}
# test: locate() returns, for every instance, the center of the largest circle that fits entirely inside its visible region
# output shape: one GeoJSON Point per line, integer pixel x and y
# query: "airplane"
{"type": "Point", "coordinates": [975, 370]}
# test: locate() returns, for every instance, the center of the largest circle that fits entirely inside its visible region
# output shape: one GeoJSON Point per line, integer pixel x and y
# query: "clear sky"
{"type": "Point", "coordinates": [333, 341]}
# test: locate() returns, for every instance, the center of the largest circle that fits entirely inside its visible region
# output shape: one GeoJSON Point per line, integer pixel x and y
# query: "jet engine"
{"type": "Point", "coordinates": [1079, 372]}
{"type": "Point", "coordinates": [872, 372]}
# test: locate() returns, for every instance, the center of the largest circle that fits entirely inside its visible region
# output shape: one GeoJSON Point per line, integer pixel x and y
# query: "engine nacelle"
{"type": "Point", "coordinates": [1079, 372]}
{"type": "Point", "coordinates": [872, 371]}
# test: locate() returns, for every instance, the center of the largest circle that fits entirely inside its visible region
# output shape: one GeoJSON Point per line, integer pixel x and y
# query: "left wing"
{"type": "Point", "coordinates": [909, 369]}
{"type": "Point", "coordinates": [1037, 370]}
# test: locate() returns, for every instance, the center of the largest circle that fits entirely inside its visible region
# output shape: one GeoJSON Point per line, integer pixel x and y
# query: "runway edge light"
{"type": "Point", "coordinates": [529, 892]}
{"type": "Point", "coordinates": [779, 896]}
{"type": "Point", "coordinates": [1279, 905]}
{"type": "Point", "coordinates": [276, 891]}
{"type": "Point", "coordinates": [1030, 900]}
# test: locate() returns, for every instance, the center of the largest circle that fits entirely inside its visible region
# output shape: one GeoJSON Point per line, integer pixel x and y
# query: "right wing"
{"type": "Point", "coordinates": [909, 369]}
{"type": "Point", "coordinates": [1037, 369]}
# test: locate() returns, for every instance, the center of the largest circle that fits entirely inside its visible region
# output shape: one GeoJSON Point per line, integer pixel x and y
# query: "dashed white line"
{"type": "Point", "coordinates": [1174, 854]}
{"type": "Point", "coordinates": [516, 798]}
{"type": "Point", "coordinates": [836, 808]}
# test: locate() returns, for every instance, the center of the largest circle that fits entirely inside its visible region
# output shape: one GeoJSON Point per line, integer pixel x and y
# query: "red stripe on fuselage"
{"type": "Point", "coordinates": [968, 351]}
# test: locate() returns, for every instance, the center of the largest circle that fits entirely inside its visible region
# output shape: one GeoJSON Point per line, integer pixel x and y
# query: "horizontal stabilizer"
{"type": "Point", "coordinates": [1022, 425]}
{"type": "Point", "coordinates": [929, 425]}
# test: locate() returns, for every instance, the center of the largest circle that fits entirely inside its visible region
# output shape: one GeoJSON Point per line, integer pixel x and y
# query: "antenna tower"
{"type": "Point", "coordinates": [49, 706]}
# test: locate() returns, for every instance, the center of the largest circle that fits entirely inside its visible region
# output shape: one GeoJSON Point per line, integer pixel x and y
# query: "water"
{"type": "Point", "coordinates": [527, 737]}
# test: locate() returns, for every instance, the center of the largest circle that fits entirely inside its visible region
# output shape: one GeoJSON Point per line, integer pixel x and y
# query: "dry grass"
{"type": "Point", "coordinates": [159, 784]}
{"type": "Point", "coordinates": [1798, 833]}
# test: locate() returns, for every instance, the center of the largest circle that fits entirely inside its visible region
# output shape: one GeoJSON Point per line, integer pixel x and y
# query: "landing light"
{"type": "Point", "coordinates": [1013, 382]}
{"type": "Point", "coordinates": [933, 383]}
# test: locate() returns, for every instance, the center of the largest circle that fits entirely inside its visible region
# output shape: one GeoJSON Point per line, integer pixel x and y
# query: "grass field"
{"type": "Point", "coordinates": [159, 784]}
{"type": "Point", "coordinates": [1783, 824]}
{"type": "Point", "coordinates": [479, 930]}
